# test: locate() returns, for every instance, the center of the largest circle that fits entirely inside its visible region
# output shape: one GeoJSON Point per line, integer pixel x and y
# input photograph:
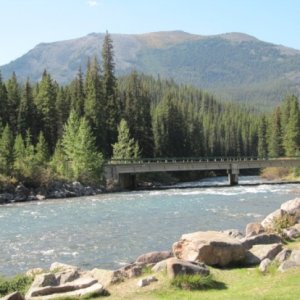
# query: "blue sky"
{"type": "Point", "coordinates": [25, 23]}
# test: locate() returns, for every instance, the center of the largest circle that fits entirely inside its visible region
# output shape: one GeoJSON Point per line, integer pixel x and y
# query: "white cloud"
{"type": "Point", "coordinates": [93, 3]}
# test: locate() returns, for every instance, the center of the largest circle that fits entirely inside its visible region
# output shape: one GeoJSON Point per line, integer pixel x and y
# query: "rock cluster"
{"type": "Point", "coordinates": [58, 189]}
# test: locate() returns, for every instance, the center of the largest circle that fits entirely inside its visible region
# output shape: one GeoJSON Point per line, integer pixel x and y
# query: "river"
{"type": "Point", "coordinates": [110, 230]}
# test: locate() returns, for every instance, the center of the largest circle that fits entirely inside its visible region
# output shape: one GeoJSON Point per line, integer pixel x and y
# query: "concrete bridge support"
{"type": "Point", "coordinates": [233, 174]}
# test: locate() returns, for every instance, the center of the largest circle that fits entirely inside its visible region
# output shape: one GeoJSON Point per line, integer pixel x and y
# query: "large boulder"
{"type": "Point", "coordinates": [260, 239]}
{"type": "Point", "coordinates": [258, 253]}
{"type": "Point", "coordinates": [180, 267]}
{"type": "Point", "coordinates": [210, 247]}
{"type": "Point", "coordinates": [153, 257]}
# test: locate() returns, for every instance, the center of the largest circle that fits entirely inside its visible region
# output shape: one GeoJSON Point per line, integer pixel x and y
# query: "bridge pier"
{"type": "Point", "coordinates": [233, 174]}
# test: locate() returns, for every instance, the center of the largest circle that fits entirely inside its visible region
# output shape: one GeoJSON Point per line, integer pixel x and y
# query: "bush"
{"type": "Point", "coordinates": [273, 173]}
{"type": "Point", "coordinates": [194, 282]}
{"type": "Point", "coordinates": [18, 283]}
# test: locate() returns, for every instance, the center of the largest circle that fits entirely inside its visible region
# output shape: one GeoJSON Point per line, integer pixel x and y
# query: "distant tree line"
{"type": "Point", "coordinates": [47, 129]}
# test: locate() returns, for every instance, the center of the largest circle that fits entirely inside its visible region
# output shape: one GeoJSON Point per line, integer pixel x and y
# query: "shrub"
{"type": "Point", "coordinates": [194, 282]}
{"type": "Point", "coordinates": [18, 283]}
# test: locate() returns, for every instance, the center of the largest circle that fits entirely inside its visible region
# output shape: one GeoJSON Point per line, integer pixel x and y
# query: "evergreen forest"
{"type": "Point", "coordinates": [48, 130]}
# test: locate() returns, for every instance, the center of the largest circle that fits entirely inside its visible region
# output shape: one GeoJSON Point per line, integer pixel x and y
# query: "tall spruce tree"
{"type": "Point", "coordinates": [291, 137]}
{"type": "Point", "coordinates": [3, 103]}
{"type": "Point", "coordinates": [94, 105]}
{"type": "Point", "coordinates": [110, 94]}
{"type": "Point", "coordinates": [78, 94]}
{"type": "Point", "coordinates": [27, 113]}
{"type": "Point", "coordinates": [13, 102]}
{"type": "Point", "coordinates": [6, 151]}
{"type": "Point", "coordinates": [137, 111]}
{"type": "Point", "coordinates": [275, 134]}
{"type": "Point", "coordinates": [45, 102]}
{"type": "Point", "coordinates": [262, 147]}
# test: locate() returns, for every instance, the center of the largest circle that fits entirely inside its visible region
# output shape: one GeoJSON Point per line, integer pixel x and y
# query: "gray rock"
{"type": "Point", "coordinates": [146, 281]}
{"type": "Point", "coordinates": [264, 265]}
{"type": "Point", "coordinates": [64, 281]}
{"type": "Point", "coordinates": [40, 197]}
{"type": "Point", "coordinates": [291, 206]}
{"type": "Point", "coordinates": [153, 257]}
{"type": "Point", "coordinates": [254, 229]}
{"type": "Point", "coordinates": [260, 252]}
{"type": "Point", "coordinates": [13, 296]}
{"type": "Point", "coordinates": [6, 197]}
{"type": "Point", "coordinates": [292, 232]}
{"type": "Point", "coordinates": [286, 265]}
{"type": "Point", "coordinates": [131, 270]}
{"type": "Point", "coordinates": [260, 239]}
{"type": "Point", "coordinates": [61, 267]}
{"type": "Point", "coordinates": [295, 256]}
{"type": "Point", "coordinates": [209, 247]}
{"type": "Point", "coordinates": [283, 255]}
{"type": "Point", "coordinates": [20, 198]}
{"type": "Point", "coordinates": [234, 233]}
{"type": "Point", "coordinates": [179, 267]}
{"type": "Point", "coordinates": [160, 266]}
{"type": "Point", "coordinates": [108, 277]}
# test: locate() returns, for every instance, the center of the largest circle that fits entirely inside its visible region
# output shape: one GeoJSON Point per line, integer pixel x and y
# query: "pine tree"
{"type": "Point", "coordinates": [275, 134]}
{"type": "Point", "coordinates": [6, 151]}
{"type": "Point", "coordinates": [126, 147]}
{"type": "Point", "coordinates": [27, 114]}
{"type": "Point", "coordinates": [262, 148]}
{"type": "Point", "coordinates": [291, 137]}
{"type": "Point", "coordinates": [137, 110]}
{"type": "Point", "coordinates": [45, 102]}
{"type": "Point", "coordinates": [62, 108]}
{"type": "Point", "coordinates": [110, 95]}
{"type": "Point", "coordinates": [94, 107]}
{"type": "Point", "coordinates": [77, 94]}
{"type": "Point", "coordinates": [3, 103]}
{"type": "Point", "coordinates": [84, 161]}
{"type": "Point", "coordinates": [13, 102]}
{"type": "Point", "coordinates": [41, 150]}
{"type": "Point", "coordinates": [19, 156]}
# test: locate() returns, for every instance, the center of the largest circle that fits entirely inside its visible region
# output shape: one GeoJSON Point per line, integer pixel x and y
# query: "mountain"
{"type": "Point", "coordinates": [232, 65]}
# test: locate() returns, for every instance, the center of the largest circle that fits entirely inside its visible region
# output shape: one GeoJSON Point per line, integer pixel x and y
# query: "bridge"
{"type": "Point", "coordinates": [122, 173]}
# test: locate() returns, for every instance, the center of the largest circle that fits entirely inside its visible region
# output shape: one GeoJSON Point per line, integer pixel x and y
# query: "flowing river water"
{"type": "Point", "coordinates": [110, 230]}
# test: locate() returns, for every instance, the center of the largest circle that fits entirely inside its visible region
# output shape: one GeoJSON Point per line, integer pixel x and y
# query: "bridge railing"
{"type": "Point", "coordinates": [182, 160]}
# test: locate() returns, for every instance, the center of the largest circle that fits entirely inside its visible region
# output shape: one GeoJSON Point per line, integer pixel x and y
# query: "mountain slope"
{"type": "Point", "coordinates": [233, 65]}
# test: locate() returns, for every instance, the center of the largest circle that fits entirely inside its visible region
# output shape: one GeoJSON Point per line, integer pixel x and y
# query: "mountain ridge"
{"type": "Point", "coordinates": [233, 65]}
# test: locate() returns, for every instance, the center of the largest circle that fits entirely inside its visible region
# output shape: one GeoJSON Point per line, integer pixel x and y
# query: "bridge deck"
{"type": "Point", "coordinates": [122, 171]}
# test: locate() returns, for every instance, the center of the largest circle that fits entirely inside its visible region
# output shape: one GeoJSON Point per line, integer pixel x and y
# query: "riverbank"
{"type": "Point", "coordinates": [17, 192]}
{"type": "Point", "coordinates": [264, 261]}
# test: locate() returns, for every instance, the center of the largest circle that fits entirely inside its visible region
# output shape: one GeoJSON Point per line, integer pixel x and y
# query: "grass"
{"type": "Point", "coordinates": [225, 284]}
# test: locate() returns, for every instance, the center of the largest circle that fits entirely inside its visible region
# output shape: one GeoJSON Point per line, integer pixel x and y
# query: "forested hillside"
{"type": "Point", "coordinates": [48, 130]}
{"type": "Point", "coordinates": [232, 66]}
